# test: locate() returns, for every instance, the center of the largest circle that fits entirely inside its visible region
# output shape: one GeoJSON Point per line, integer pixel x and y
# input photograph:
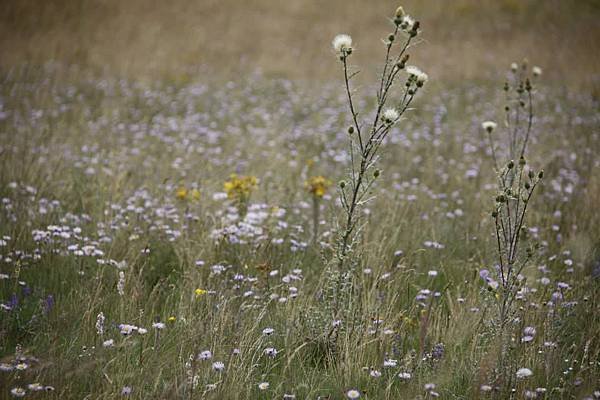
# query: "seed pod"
{"type": "Point", "coordinates": [350, 130]}
{"type": "Point", "coordinates": [376, 173]}
{"type": "Point", "coordinates": [510, 164]}
{"type": "Point", "coordinates": [522, 161]}
{"type": "Point", "coordinates": [541, 174]}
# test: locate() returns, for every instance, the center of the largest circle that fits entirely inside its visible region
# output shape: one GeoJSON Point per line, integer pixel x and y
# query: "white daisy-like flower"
{"type": "Point", "coordinates": [374, 373]}
{"type": "Point", "coordinates": [390, 115]}
{"type": "Point", "coordinates": [218, 366]}
{"type": "Point", "coordinates": [268, 331]}
{"type": "Point", "coordinates": [353, 394]}
{"type": "Point", "coordinates": [205, 355]}
{"type": "Point", "coordinates": [108, 343]}
{"type": "Point", "coordinates": [486, 388]}
{"type": "Point", "coordinates": [271, 352]}
{"type": "Point", "coordinates": [489, 126]}
{"type": "Point", "coordinates": [18, 392]}
{"type": "Point", "coordinates": [537, 71]}
{"type": "Point", "coordinates": [524, 373]}
{"type": "Point", "coordinates": [389, 363]}
{"type": "Point", "coordinates": [158, 325]}
{"type": "Point", "coordinates": [263, 385]}
{"type": "Point", "coordinates": [342, 43]}
{"type": "Point", "coordinates": [405, 376]}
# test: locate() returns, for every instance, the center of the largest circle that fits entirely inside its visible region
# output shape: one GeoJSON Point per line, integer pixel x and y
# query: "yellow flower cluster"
{"type": "Point", "coordinates": [200, 292]}
{"type": "Point", "coordinates": [317, 185]}
{"type": "Point", "coordinates": [240, 187]}
{"type": "Point", "coordinates": [183, 193]}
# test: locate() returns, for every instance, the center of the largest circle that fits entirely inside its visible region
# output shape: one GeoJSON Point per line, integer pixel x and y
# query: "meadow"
{"type": "Point", "coordinates": [172, 232]}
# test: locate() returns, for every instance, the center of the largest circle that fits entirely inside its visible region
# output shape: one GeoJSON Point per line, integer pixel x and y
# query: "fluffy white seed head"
{"type": "Point", "coordinates": [489, 126]}
{"type": "Point", "coordinates": [537, 71]}
{"type": "Point", "coordinates": [390, 115]}
{"type": "Point", "coordinates": [342, 43]}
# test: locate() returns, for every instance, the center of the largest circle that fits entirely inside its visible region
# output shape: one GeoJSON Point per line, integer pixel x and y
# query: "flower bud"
{"type": "Point", "coordinates": [522, 161]}
{"type": "Point", "coordinates": [531, 174]}
{"type": "Point", "coordinates": [494, 214]}
{"type": "Point", "coordinates": [541, 174]}
{"type": "Point", "coordinates": [391, 37]}
{"type": "Point", "coordinates": [527, 185]}
{"type": "Point", "coordinates": [342, 184]}
{"type": "Point", "coordinates": [510, 164]}
{"type": "Point", "coordinates": [350, 130]}
{"type": "Point", "coordinates": [400, 12]}
{"type": "Point", "coordinates": [376, 173]}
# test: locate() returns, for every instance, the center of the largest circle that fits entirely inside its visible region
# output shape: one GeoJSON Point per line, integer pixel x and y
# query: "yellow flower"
{"type": "Point", "coordinates": [172, 319]}
{"type": "Point", "coordinates": [317, 185]}
{"type": "Point", "coordinates": [181, 193]}
{"type": "Point", "coordinates": [199, 292]}
{"type": "Point", "coordinates": [195, 194]}
{"type": "Point", "coordinates": [240, 187]}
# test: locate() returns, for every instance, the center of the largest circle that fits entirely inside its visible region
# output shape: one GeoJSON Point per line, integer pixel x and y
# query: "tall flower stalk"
{"type": "Point", "coordinates": [366, 137]}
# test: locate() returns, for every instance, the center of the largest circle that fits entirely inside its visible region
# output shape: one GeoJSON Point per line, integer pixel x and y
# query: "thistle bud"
{"type": "Point", "coordinates": [528, 85]}
{"type": "Point", "coordinates": [510, 164]}
{"type": "Point", "coordinates": [522, 161]}
{"type": "Point", "coordinates": [391, 37]}
{"type": "Point", "coordinates": [531, 174]}
{"type": "Point", "coordinates": [350, 130]}
{"type": "Point", "coordinates": [501, 198]}
{"type": "Point", "coordinates": [506, 87]}
{"type": "Point", "coordinates": [376, 173]}
{"type": "Point", "coordinates": [494, 214]}
{"type": "Point", "coordinates": [342, 184]}
{"type": "Point", "coordinates": [541, 174]}
{"type": "Point", "coordinates": [527, 185]}
{"type": "Point", "coordinates": [400, 12]}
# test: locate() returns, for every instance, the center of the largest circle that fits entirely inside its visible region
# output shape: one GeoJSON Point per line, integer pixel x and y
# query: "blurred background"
{"type": "Point", "coordinates": [186, 39]}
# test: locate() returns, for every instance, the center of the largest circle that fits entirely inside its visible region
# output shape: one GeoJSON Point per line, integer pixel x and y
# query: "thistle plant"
{"type": "Point", "coordinates": [366, 136]}
{"type": "Point", "coordinates": [516, 186]}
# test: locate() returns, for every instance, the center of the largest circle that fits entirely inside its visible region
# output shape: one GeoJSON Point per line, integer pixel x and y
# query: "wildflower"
{"type": "Point", "coordinates": [537, 71]}
{"type": "Point", "coordinates": [271, 352]}
{"type": "Point", "coordinates": [405, 376]}
{"type": "Point", "coordinates": [205, 355]}
{"type": "Point", "coordinates": [317, 185]}
{"type": "Point", "coordinates": [524, 373]}
{"type": "Point", "coordinates": [4, 367]}
{"type": "Point", "coordinates": [172, 319]}
{"type": "Point", "coordinates": [342, 44]}
{"type": "Point", "coordinates": [388, 363]}
{"type": "Point", "coordinates": [374, 373]}
{"type": "Point", "coordinates": [35, 387]}
{"type": "Point", "coordinates": [142, 331]}
{"type": "Point", "coordinates": [126, 391]}
{"type": "Point", "coordinates": [200, 292]}
{"type": "Point", "coordinates": [390, 115]}
{"type": "Point", "coordinates": [489, 126]}
{"type": "Point", "coordinates": [416, 74]}
{"type": "Point", "coordinates": [218, 366]}
{"type": "Point", "coordinates": [239, 187]}
{"type": "Point", "coordinates": [486, 388]}
{"type": "Point", "coordinates": [121, 283]}
{"type": "Point", "coordinates": [353, 394]}
{"type": "Point", "coordinates": [181, 193]}
{"type": "Point", "coordinates": [18, 392]}
{"type": "Point", "coordinates": [263, 385]}
{"type": "Point", "coordinates": [158, 325]}
{"type": "Point", "coordinates": [108, 343]}
{"type": "Point", "coordinates": [21, 366]}
{"type": "Point", "coordinates": [100, 323]}
{"type": "Point", "coordinates": [268, 331]}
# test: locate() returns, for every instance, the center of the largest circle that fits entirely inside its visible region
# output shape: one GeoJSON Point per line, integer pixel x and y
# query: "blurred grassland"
{"type": "Point", "coordinates": [185, 39]}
